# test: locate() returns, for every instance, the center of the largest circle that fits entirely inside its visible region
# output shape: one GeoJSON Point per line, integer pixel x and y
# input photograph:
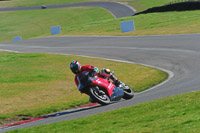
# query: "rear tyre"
{"type": "Point", "coordinates": [128, 92]}
{"type": "Point", "coordinates": [97, 96]}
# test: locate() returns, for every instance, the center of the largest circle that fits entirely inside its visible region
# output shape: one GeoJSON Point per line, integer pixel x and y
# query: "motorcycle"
{"type": "Point", "coordinates": [102, 90]}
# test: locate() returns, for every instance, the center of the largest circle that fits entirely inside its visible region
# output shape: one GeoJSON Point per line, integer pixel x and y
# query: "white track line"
{"type": "Point", "coordinates": [125, 36]}
{"type": "Point", "coordinates": [10, 51]}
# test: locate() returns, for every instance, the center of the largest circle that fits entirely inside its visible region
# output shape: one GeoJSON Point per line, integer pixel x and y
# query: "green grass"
{"type": "Point", "coordinates": [37, 23]}
{"type": "Point", "coordinates": [172, 114]}
{"type": "Point", "coordinates": [138, 4]}
{"type": "Point", "coordinates": [37, 84]}
{"type": "Point", "coordinates": [146, 24]}
{"type": "Point", "coordinates": [83, 21]}
{"type": "Point", "coordinates": [141, 5]}
{"type": "Point", "coordinates": [25, 3]}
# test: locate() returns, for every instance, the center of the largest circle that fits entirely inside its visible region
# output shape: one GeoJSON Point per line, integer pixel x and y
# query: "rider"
{"type": "Point", "coordinates": [76, 68]}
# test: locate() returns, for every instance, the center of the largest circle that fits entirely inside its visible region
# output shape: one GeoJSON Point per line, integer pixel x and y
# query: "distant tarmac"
{"type": "Point", "coordinates": [117, 9]}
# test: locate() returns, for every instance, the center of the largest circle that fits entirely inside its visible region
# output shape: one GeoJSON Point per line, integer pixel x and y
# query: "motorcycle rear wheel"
{"type": "Point", "coordinates": [102, 99]}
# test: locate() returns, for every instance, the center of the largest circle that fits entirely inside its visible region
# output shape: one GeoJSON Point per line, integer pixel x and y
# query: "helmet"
{"type": "Point", "coordinates": [105, 72]}
{"type": "Point", "coordinates": [75, 67]}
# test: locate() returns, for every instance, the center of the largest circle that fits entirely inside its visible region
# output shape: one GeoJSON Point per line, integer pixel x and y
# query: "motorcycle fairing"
{"type": "Point", "coordinates": [114, 92]}
{"type": "Point", "coordinates": [104, 83]}
{"type": "Point", "coordinates": [117, 94]}
{"type": "Point", "coordinates": [85, 80]}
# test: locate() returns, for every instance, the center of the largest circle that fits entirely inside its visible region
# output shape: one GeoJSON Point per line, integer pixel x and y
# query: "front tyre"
{"type": "Point", "coordinates": [98, 95]}
{"type": "Point", "coordinates": [128, 92]}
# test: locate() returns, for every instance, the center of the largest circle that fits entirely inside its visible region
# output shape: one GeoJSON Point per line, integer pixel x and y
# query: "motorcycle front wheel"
{"type": "Point", "coordinates": [99, 97]}
{"type": "Point", "coordinates": [128, 92]}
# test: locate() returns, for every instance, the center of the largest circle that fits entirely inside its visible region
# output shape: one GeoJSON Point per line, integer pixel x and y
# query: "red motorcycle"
{"type": "Point", "coordinates": [102, 90]}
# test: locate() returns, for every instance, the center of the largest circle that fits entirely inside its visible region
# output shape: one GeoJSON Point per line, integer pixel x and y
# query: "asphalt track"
{"type": "Point", "coordinates": [179, 55]}
{"type": "Point", "coordinates": [117, 9]}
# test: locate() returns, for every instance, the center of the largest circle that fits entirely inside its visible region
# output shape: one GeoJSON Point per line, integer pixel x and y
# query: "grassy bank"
{"type": "Point", "coordinates": [138, 4]}
{"type": "Point", "coordinates": [83, 21]}
{"type": "Point", "coordinates": [173, 114]}
{"type": "Point", "coordinates": [36, 84]}
{"type": "Point", "coordinates": [26, 3]}
{"type": "Point", "coordinates": [141, 5]}
{"type": "Point", "coordinates": [31, 24]}
{"type": "Point", "coordinates": [146, 24]}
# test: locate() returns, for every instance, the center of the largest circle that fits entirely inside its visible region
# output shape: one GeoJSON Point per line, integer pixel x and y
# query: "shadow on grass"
{"type": "Point", "coordinates": [182, 6]}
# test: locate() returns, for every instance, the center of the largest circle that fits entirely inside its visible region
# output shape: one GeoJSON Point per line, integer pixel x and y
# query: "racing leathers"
{"type": "Point", "coordinates": [87, 68]}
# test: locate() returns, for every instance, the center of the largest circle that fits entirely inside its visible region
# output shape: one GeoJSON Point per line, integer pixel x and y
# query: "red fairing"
{"type": "Point", "coordinates": [105, 84]}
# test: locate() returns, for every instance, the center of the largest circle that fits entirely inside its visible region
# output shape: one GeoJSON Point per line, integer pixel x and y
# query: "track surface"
{"type": "Point", "coordinates": [179, 54]}
{"type": "Point", "coordinates": [117, 9]}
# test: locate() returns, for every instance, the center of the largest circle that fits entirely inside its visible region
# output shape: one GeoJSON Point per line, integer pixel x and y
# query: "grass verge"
{"type": "Point", "coordinates": [173, 114]}
{"type": "Point", "coordinates": [140, 5]}
{"type": "Point", "coordinates": [35, 84]}
{"type": "Point", "coordinates": [37, 23]}
{"type": "Point", "coordinates": [27, 3]}
{"type": "Point", "coordinates": [83, 21]}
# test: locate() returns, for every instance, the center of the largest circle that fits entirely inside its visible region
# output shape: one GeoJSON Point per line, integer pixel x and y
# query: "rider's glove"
{"type": "Point", "coordinates": [117, 82]}
{"type": "Point", "coordinates": [94, 71]}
